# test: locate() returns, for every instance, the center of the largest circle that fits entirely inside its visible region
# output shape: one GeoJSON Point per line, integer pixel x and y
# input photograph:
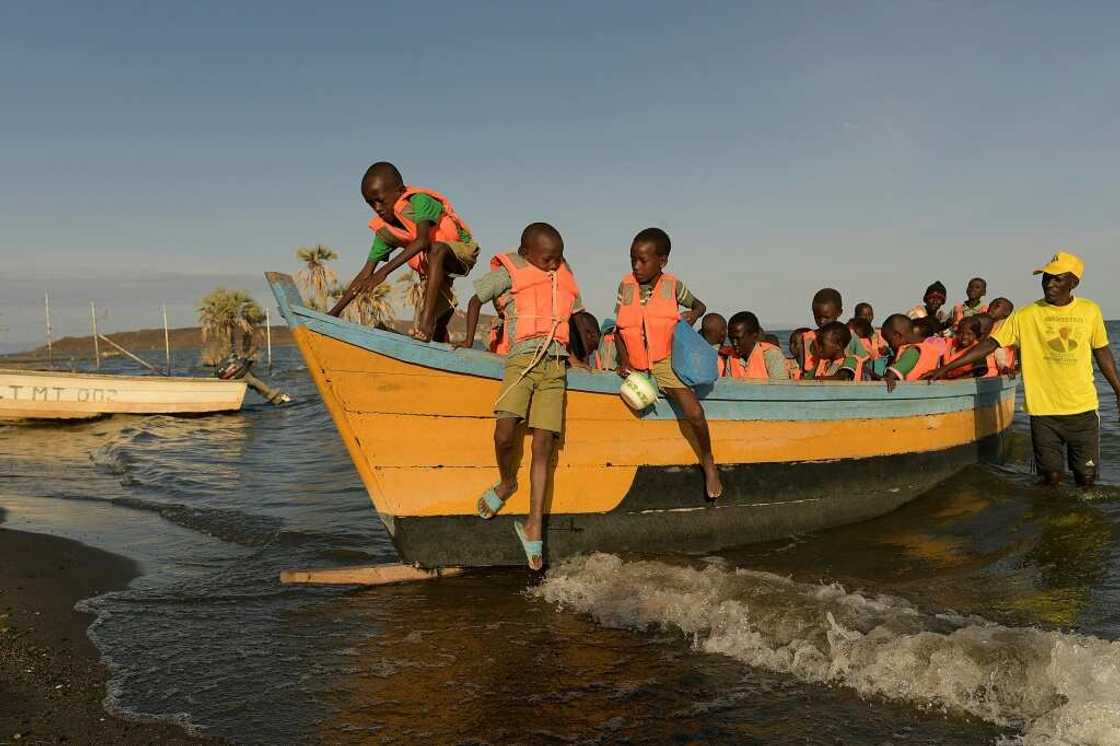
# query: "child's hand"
{"type": "Point", "coordinates": [623, 371]}
{"type": "Point", "coordinates": [891, 381]}
{"type": "Point", "coordinates": [691, 316]}
{"type": "Point", "coordinates": [463, 344]}
{"type": "Point", "coordinates": [934, 375]}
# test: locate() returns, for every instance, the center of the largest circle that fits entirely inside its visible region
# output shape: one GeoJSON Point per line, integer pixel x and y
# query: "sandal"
{"type": "Point", "coordinates": [489, 504]}
{"type": "Point", "coordinates": [534, 549]}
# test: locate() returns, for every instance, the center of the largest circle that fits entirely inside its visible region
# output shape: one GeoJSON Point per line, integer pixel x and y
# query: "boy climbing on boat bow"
{"type": "Point", "coordinates": [543, 295]}
{"type": "Point", "coordinates": [433, 239]}
{"type": "Point", "coordinates": [646, 313]}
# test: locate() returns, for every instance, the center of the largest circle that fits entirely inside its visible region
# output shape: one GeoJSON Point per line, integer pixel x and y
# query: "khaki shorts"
{"type": "Point", "coordinates": [538, 397]}
{"type": "Point", "coordinates": [662, 372]}
{"type": "Point", "coordinates": [467, 254]}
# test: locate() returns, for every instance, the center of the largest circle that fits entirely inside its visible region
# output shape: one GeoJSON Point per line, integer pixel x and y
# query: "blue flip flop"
{"type": "Point", "coordinates": [492, 501]}
{"type": "Point", "coordinates": [532, 548]}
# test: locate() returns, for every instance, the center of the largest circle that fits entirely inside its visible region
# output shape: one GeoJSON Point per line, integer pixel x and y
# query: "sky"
{"type": "Point", "coordinates": [150, 151]}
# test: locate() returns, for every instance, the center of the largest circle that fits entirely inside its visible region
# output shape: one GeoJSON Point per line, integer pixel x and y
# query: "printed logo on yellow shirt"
{"type": "Point", "coordinates": [1064, 335]}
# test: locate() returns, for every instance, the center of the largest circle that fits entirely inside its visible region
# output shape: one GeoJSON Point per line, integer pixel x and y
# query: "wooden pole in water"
{"type": "Point", "coordinates": [96, 343]}
{"type": "Point", "coordinates": [50, 342]}
{"type": "Point", "coordinates": [268, 336]}
{"type": "Point", "coordinates": [366, 575]}
{"type": "Point", "coordinates": [138, 359]}
{"type": "Point", "coordinates": [166, 338]}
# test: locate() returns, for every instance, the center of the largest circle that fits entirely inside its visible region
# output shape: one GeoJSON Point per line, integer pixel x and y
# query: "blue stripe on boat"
{"type": "Point", "coordinates": [776, 400]}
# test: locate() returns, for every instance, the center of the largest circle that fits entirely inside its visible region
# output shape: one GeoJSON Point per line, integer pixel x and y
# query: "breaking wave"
{"type": "Point", "coordinates": [1054, 687]}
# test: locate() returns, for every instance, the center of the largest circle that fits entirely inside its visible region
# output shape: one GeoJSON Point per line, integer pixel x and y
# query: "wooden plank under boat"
{"type": "Point", "coordinates": [417, 421]}
{"type": "Point", "coordinates": [61, 395]}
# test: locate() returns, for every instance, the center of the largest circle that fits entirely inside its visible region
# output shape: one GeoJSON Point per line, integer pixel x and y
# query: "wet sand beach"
{"type": "Point", "coordinates": [52, 682]}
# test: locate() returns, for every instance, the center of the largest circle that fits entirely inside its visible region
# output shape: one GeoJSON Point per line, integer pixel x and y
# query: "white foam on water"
{"type": "Point", "coordinates": [1054, 687]}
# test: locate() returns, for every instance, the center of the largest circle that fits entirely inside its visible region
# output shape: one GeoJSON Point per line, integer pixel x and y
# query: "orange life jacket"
{"type": "Point", "coordinates": [832, 367]}
{"type": "Point", "coordinates": [542, 301]}
{"type": "Point", "coordinates": [928, 358]}
{"type": "Point", "coordinates": [869, 345]}
{"type": "Point", "coordinates": [647, 330]}
{"type": "Point", "coordinates": [793, 369]}
{"type": "Point", "coordinates": [807, 339]}
{"type": "Point", "coordinates": [1012, 357]}
{"type": "Point", "coordinates": [958, 312]}
{"type": "Point", "coordinates": [882, 349]}
{"type": "Point", "coordinates": [447, 229]}
{"type": "Point", "coordinates": [755, 366]}
{"type": "Point", "coordinates": [962, 372]}
{"type": "Point", "coordinates": [993, 366]}
{"type": "Point", "coordinates": [499, 342]}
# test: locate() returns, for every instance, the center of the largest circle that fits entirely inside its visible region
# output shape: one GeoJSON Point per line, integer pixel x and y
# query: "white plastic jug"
{"type": "Point", "coordinates": [638, 391]}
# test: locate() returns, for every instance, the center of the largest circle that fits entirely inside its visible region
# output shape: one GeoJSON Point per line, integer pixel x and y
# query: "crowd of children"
{"type": "Point", "coordinates": [542, 329]}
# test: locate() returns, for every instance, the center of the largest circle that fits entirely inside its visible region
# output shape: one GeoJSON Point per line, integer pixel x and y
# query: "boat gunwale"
{"type": "Point", "coordinates": [116, 377]}
{"type": "Point", "coordinates": [482, 364]}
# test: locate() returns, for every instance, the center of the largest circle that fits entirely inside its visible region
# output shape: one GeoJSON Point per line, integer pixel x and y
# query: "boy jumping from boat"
{"type": "Point", "coordinates": [433, 239]}
{"type": "Point", "coordinates": [543, 296]}
{"type": "Point", "coordinates": [649, 302]}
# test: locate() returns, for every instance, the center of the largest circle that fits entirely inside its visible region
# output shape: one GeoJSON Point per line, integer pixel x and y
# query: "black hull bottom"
{"type": "Point", "coordinates": [665, 511]}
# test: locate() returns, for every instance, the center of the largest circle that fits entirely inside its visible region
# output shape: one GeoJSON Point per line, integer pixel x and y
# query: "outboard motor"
{"type": "Point", "coordinates": [235, 367]}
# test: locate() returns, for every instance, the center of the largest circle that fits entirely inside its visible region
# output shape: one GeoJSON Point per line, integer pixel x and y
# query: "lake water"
{"type": "Point", "coordinates": [986, 611]}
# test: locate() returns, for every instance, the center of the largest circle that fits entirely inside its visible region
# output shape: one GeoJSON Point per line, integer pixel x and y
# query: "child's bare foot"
{"type": "Point", "coordinates": [419, 335]}
{"type": "Point", "coordinates": [712, 482]}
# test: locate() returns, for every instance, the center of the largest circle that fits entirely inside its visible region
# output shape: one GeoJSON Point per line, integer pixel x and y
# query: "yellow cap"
{"type": "Point", "coordinates": [1063, 262]}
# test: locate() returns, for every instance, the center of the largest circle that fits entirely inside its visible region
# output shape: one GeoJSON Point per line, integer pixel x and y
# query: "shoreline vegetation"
{"type": "Point", "coordinates": [149, 342]}
{"type": "Point", "coordinates": [52, 680]}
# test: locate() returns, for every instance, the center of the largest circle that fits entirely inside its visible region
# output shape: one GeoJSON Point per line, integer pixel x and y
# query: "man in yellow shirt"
{"type": "Point", "coordinates": [1058, 337]}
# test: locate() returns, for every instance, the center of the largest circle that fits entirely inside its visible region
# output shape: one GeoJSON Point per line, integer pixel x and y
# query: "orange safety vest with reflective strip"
{"type": "Point", "coordinates": [755, 366]}
{"type": "Point", "coordinates": [447, 229]}
{"type": "Point", "coordinates": [958, 312]}
{"type": "Point", "coordinates": [928, 358]}
{"type": "Point", "coordinates": [647, 330]}
{"type": "Point", "coordinates": [542, 301]}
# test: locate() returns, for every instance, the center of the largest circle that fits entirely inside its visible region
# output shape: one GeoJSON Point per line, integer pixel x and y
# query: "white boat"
{"type": "Point", "coordinates": [59, 395]}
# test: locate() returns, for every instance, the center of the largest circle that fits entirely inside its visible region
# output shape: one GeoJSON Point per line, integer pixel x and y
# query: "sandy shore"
{"type": "Point", "coordinates": [52, 682]}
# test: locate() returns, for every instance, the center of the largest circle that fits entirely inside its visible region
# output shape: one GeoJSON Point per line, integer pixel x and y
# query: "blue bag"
{"type": "Point", "coordinates": [694, 360]}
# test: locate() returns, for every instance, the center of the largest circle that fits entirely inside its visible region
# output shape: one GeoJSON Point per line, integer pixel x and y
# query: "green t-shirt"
{"type": "Point", "coordinates": [905, 363]}
{"type": "Point", "coordinates": [420, 208]}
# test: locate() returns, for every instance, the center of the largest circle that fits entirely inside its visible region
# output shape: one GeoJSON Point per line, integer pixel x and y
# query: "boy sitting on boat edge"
{"type": "Point", "coordinates": [647, 311]}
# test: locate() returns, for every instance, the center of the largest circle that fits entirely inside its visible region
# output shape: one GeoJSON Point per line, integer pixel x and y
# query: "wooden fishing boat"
{"type": "Point", "coordinates": [60, 395]}
{"type": "Point", "coordinates": [795, 456]}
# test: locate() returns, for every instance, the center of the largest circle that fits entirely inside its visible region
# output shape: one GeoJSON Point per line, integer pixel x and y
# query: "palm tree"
{"type": "Point", "coordinates": [369, 307]}
{"type": "Point", "coordinates": [223, 315]}
{"type": "Point", "coordinates": [316, 279]}
{"type": "Point", "coordinates": [412, 290]}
